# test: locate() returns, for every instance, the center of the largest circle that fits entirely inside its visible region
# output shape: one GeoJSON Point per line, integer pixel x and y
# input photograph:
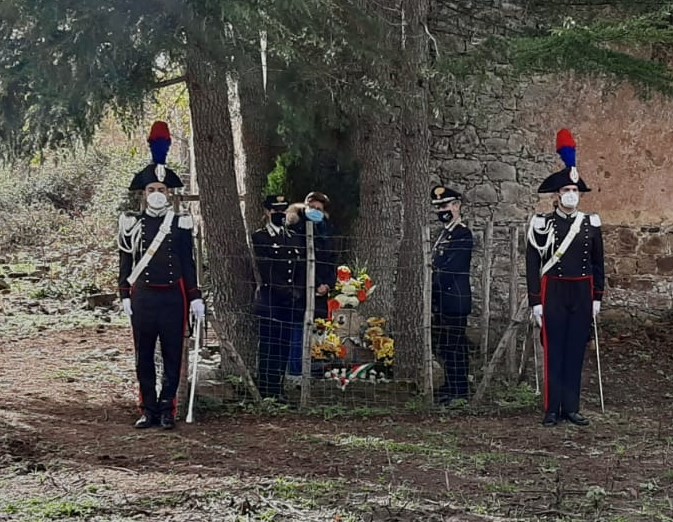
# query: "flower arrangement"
{"type": "Point", "coordinates": [376, 339]}
{"type": "Point", "coordinates": [350, 290]}
{"type": "Point", "coordinates": [326, 345]}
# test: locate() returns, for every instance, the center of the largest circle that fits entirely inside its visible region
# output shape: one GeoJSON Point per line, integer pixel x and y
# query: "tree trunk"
{"type": "Point", "coordinates": [256, 142]}
{"type": "Point", "coordinates": [378, 224]}
{"type": "Point", "coordinates": [229, 261]}
{"type": "Point", "coordinates": [376, 146]}
{"type": "Point", "coordinates": [247, 106]}
{"type": "Point", "coordinates": [408, 318]}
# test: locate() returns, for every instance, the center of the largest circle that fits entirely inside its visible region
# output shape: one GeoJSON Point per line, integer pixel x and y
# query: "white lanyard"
{"type": "Point", "coordinates": [164, 230]}
{"type": "Point", "coordinates": [556, 256]}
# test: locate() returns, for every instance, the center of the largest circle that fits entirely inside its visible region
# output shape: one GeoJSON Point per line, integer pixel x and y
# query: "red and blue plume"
{"type": "Point", "coordinates": [565, 146]}
{"type": "Point", "coordinates": [159, 141]}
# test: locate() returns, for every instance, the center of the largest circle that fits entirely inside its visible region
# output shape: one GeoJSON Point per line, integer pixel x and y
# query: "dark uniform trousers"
{"type": "Point", "coordinates": [278, 332]}
{"type": "Point", "coordinates": [326, 269]}
{"type": "Point", "coordinates": [566, 330]}
{"type": "Point", "coordinates": [451, 305]}
{"type": "Point", "coordinates": [280, 303]}
{"type": "Point", "coordinates": [158, 313]}
{"type": "Point", "coordinates": [452, 346]}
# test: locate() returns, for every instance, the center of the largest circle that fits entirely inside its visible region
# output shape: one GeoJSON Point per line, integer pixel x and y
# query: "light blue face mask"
{"type": "Point", "coordinates": [315, 215]}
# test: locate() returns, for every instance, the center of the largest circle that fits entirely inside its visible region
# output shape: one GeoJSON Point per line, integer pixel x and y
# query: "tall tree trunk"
{"type": "Point", "coordinates": [378, 226]}
{"type": "Point", "coordinates": [408, 318]}
{"type": "Point", "coordinates": [253, 161]}
{"type": "Point", "coordinates": [376, 145]}
{"type": "Point", "coordinates": [256, 142]}
{"type": "Point", "coordinates": [229, 261]}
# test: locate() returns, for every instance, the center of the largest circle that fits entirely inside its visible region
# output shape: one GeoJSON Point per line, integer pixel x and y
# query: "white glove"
{"type": "Point", "coordinates": [537, 314]}
{"type": "Point", "coordinates": [198, 308]}
{"type": "Point", "coordinates": [597, 308]}
{"type": "Point", "coordinates": [126, 305]}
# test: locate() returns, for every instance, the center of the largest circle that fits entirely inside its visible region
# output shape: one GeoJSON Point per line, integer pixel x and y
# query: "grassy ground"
{"type": "Point", "coordinates": [68, 452]}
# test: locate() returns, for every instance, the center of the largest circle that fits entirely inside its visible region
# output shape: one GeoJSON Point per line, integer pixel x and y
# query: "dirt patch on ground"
{"type": "Point", "coordinates": [67, 449]}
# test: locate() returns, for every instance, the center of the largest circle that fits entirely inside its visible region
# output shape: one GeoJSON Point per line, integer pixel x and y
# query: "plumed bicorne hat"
{"type": "Point", "coordinates": [566, 148]}
{"type": "Point", "coordinates": [441, 194]}
{"type": "Point", "coordinates": [159, 141]}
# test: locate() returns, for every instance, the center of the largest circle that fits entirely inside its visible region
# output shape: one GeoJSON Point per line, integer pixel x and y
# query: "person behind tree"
{"type": "Point", "coordinates": [314, 209]}
{"type": "Point", "coordinates": [451, 294]}
{"type": "Point", "coordinates": [565, 275]}
{"type": "Point", "coordinates": [317, 210]}
{"type": "Point", "coordinates": [280, 254]}
{"type": "Point", "coordinates": [157, 282]}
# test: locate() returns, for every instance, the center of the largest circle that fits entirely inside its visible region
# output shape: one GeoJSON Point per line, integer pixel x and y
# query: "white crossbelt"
{"type": "Point", "coordinates": [556, 256]}
{"type": "Point", "coordinates": [164, 230]}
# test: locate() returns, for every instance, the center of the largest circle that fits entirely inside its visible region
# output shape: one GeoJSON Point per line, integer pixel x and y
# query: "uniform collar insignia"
{"type": "Point", "coordinates": [563, 215]}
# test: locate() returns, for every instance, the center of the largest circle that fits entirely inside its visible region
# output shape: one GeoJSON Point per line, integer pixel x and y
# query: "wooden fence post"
{"type": "Point", "coordinates": [486, 291]}
{"type": "Point", "coordinates": [308, 318]}
{"type": "Point", "coordinates": [513, 296]}
{"type": "Point", "coordinates": [427, 317]}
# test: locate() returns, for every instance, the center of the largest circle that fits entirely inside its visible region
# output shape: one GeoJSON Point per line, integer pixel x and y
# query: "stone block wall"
{"type": "Point", "coordinates": [639, 267]}
{"type": "Point", "coordinates": [494, 141]}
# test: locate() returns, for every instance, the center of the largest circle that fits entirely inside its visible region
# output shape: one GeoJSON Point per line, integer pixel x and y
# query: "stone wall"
{"type": "Point", "coordinates": [640, 266]}
{"type": "Point", "coordinates": [494, 141]}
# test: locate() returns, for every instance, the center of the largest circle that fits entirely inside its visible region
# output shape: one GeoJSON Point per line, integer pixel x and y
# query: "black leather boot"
{"type": "Point", "coordinates": [577, 419]}
{"type": "Point", "coordinates": [550, 419]}
{"type": "Point", "coordinates": [167, 419]}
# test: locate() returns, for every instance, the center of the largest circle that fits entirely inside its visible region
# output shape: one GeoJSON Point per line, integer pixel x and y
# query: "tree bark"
{"type": "Point", "coordinates": [230, 264]}
{"type": "Point", "coordinates": [408, 318]}
{"type": "Point", "coordinates": [378, 224]}
{"type": "Point", "coordinates": [376, 145]}
{"type": "Point", "coordinates": [256, 142]}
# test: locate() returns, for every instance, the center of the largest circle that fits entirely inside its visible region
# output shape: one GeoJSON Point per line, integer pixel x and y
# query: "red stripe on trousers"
{"type": "Point", "coordinates": [545, 343]}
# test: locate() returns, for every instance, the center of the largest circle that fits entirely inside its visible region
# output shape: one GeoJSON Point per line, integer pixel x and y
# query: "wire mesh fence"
{"type": "Point", "coordinates": [334, 328]}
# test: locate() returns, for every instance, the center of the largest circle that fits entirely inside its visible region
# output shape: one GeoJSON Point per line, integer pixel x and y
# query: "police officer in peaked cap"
{"type": "Point", "coordinates": [451, 294]}
{"type": "Point", "coordinates": [280, 254]}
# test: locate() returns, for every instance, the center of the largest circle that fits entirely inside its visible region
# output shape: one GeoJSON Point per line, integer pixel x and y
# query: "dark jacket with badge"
{"type": "Point", "coordinates": [172, 264]}
{"type": "Point", "coordinates": [281, 260]}
{"type": "Point", "coordinates": [584, 257]}
{"type": "Point", "coordinates": [451, 259]}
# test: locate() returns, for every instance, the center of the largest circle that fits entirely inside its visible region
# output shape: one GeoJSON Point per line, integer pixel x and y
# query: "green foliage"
{"type": "Point", "coordinates": [48, 509]}
{"type": "Point", "coordinates": [65, 186]}
{"type": "Point", "coordinates": [618, 50]}
{"type": "Point", "coordinates": [67, 62]}
{"type": "Point", "coordinates": [517, 397]}
{"type": "Point", "coordinates": [276, 180]}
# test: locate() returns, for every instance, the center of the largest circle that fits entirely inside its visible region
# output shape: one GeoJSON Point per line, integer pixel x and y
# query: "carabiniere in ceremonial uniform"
{"type": "Point", "coordinates": [157, 283]}
{"type": "Point", "coordinates": [566, 278]}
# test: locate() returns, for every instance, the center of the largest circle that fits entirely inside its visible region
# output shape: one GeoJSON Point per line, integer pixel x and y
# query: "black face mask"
{"type": "Point", "coordinates": [445, 216]}
{"type": "Point", "coordinates": [278, 219]}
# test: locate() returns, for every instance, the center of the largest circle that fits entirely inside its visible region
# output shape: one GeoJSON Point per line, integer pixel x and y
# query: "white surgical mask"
{"type": "Point", "coordinates": [157, 200]}
{"type": "Point", "coordinates": [570, 199]}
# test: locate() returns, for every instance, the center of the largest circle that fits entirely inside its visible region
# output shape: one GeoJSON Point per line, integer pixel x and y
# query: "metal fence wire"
{"type": "Point", "coordinates": [342, 349]}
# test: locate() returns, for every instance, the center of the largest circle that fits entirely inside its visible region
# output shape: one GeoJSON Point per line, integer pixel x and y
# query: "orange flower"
{"type": "Point", "coordinates": [343, 352]}
{"type": "Point", "coordinates": [362, 296]}
{"type": "Point", "coordinates": [332, 306]}
{"type": "Point", "coordinates": [344, 274]}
